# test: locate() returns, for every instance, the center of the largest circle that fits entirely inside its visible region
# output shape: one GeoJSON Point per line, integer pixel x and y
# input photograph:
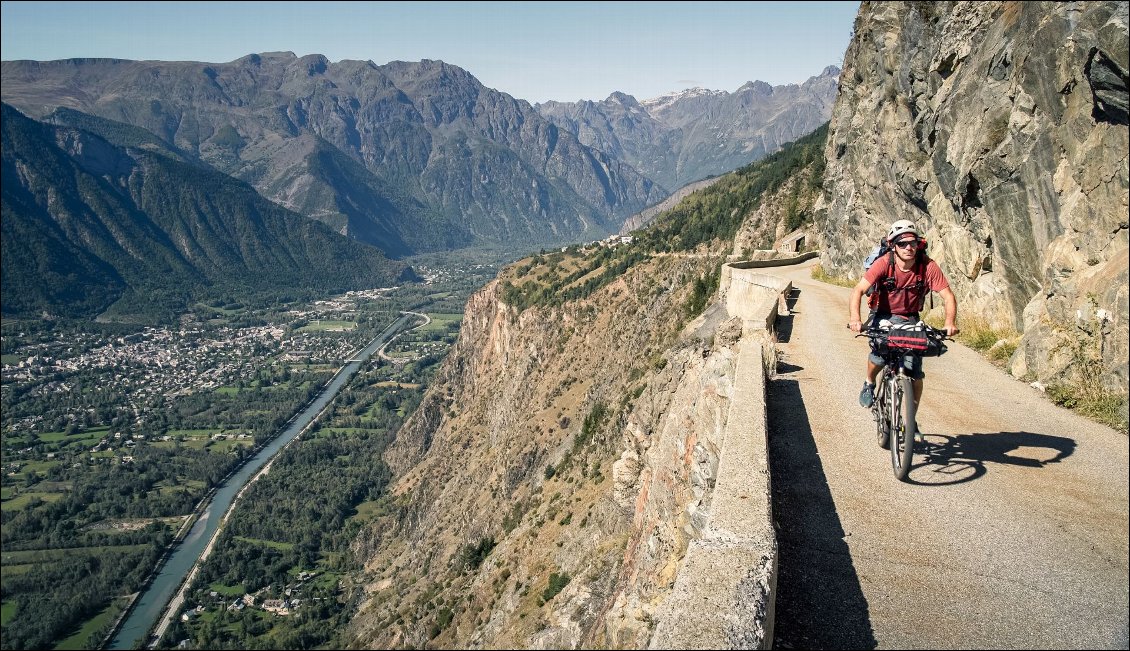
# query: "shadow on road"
{"type": "Point", "coordinates": [792, 298]}
{"type": "Point", "coordinates": [820, 603]}
{"type": "Point", "coordinates": [784, 325]}
{"type": "Point", "coordinates": [961, 458]}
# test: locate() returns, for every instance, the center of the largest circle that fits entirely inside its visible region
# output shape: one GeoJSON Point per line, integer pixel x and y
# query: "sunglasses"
{"type": "Point", "coordinates": [906, 244]}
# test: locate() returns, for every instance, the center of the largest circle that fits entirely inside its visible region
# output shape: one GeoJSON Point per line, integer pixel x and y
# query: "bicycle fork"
{"type": "Point", "coordinates": [912, 426]}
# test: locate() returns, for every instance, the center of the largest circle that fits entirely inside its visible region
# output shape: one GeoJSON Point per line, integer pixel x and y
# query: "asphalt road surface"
{"type": "Point", "coordinates": [1012, 532]}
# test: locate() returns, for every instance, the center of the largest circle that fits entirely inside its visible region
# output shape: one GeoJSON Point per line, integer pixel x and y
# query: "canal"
{"type": "Point", "coordinates": [152, 602]}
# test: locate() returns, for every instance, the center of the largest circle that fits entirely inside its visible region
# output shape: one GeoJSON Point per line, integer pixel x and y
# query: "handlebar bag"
{"type": "Point", "coordinates": [908, 337]}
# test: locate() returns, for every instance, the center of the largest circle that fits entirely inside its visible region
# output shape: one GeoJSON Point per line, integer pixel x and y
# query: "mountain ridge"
{"type": "Point", "coordinates": [88, 225]}
{"type": "Point", "coordinates": [427, 130]}
{"type": "Point", "coordinates": [706, 132]}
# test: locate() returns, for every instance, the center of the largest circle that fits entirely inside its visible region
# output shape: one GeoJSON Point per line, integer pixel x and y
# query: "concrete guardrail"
{"type": "Point", "coordinates": [725, 591]}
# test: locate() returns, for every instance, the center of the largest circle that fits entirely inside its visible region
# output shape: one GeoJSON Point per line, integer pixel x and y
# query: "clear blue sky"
{"type": "Point", "coordinates": [536, 51]}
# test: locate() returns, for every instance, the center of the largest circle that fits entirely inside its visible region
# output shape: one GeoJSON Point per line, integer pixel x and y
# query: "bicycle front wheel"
{"type": "Point", "coordinates": [902, 435]}
{"type": "Point", "coordinates": [882, 414]}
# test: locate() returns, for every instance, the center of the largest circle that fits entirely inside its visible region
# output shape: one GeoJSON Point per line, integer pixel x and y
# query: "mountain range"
{"type": "Point", "coordinates": [405, 157]}
{"type": "Point", "coordinates": [408, 157]}
{"type": "Point", "coordinates": [693, 134]}
{"type": "Point", "coordinates": [89, 226]}
{"type": "Point", "coordinates": [421, 156]}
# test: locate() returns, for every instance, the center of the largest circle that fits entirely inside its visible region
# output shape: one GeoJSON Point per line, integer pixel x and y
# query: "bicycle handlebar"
{"type": "Point", "coordinates": [874, 331]}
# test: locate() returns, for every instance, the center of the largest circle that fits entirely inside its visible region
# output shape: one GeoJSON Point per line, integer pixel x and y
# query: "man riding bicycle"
{"type": "Point", "coordinates": [901, 279]}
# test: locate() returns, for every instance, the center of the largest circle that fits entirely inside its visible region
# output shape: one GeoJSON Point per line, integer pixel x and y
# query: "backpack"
{"type": "Point", "coordinates": [880, 249]}
{"type": "Point", "coordinates": [888, 281]}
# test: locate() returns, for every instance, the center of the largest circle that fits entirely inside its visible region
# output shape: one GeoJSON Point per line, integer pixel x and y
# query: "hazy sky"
{"type": "Point", "coordinates": [535, 51]}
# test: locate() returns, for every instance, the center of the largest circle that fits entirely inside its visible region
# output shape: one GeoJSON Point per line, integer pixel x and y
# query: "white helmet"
{"type": "Point", "coordinates": [900, 227]}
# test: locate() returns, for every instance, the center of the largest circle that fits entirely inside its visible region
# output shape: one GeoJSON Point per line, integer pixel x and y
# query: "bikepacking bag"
{"type": "Point", "coordinates": [915, 339]}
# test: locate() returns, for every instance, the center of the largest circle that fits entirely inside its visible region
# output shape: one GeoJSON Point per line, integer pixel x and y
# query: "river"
{"type": "Point", "coordinates": [152, 602]}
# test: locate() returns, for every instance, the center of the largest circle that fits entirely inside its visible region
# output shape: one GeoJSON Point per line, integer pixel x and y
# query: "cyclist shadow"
{"type": "Point", "coordinates": [964, 457]}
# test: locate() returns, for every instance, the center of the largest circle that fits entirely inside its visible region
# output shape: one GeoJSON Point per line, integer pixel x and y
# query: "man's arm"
{"type": "Point", "coordinates": [853, 307]}
{"type": "Point", "coordinates": [951, 311]}
{"type": "Point", "coordinates": [936, 278]}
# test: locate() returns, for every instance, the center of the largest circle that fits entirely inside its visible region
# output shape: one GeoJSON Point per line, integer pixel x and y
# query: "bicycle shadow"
{"type": "Point", "coordinates": [820, 602]}
{"type": "Point", "coordinates": [964, 457]}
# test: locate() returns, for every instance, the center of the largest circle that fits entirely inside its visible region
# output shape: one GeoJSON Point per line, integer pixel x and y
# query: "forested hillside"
{"type": "Point", "coordinates": [89, 227]}
{"type": "Point", "coordinates": [716, 213]}
{"type": "Point", "coordinates": [568, 369]}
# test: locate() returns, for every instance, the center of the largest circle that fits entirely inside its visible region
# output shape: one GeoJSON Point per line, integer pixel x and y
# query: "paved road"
{"type": "Point", "coordinates": [381, 352]}
{"type": "Point", "coordinates": [1013, 533]}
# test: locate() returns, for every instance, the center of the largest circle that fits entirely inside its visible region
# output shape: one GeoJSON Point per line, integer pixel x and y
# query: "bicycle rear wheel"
{"type": "Point", "coordinates": [902, 436]}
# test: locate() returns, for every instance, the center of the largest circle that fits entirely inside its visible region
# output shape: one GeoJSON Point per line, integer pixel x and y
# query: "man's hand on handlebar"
{"type": "Point", "coordinates": [949, 331]}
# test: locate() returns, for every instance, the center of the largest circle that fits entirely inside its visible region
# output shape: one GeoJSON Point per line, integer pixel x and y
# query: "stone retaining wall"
{"type": "Point", "coordinates": [726, 588]}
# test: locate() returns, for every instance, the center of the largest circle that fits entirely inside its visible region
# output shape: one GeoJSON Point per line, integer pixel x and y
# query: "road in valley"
{"type": "Point", "coordinates": [1012, 532]}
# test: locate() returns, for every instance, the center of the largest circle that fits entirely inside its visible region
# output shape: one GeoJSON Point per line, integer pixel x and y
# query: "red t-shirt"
{"type": "Point", "coordinates": [904, 300]}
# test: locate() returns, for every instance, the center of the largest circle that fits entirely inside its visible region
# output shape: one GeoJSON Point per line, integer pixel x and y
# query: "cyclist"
{"type": "Point", "coordinates": [902, 279]}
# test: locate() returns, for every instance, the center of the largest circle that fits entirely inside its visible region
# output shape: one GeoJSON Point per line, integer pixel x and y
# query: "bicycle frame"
{"type": "Point", "coordinates": [896, 406]}
{"type": "Point", "coordinates": [893, 407]}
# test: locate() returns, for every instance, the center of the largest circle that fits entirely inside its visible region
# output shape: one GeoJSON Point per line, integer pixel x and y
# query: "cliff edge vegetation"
{"type": "Point", "coordinates": [557, 469]}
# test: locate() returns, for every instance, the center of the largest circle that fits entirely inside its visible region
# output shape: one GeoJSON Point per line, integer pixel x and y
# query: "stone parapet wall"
{"type": "Point", "coordinates": [725, 591]}
{"type": "Point", "coordinates": [755, 296]}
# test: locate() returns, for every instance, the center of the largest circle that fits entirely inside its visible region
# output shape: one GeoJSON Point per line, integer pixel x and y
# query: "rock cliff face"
{"type": "Point", "coordinates": [577, 443]}
{"type": "Point", "coordinates": [1001, 128]}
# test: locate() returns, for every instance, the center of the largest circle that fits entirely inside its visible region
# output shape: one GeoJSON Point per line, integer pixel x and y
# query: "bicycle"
{"type": "Point", "coordinates": [893, 406]}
